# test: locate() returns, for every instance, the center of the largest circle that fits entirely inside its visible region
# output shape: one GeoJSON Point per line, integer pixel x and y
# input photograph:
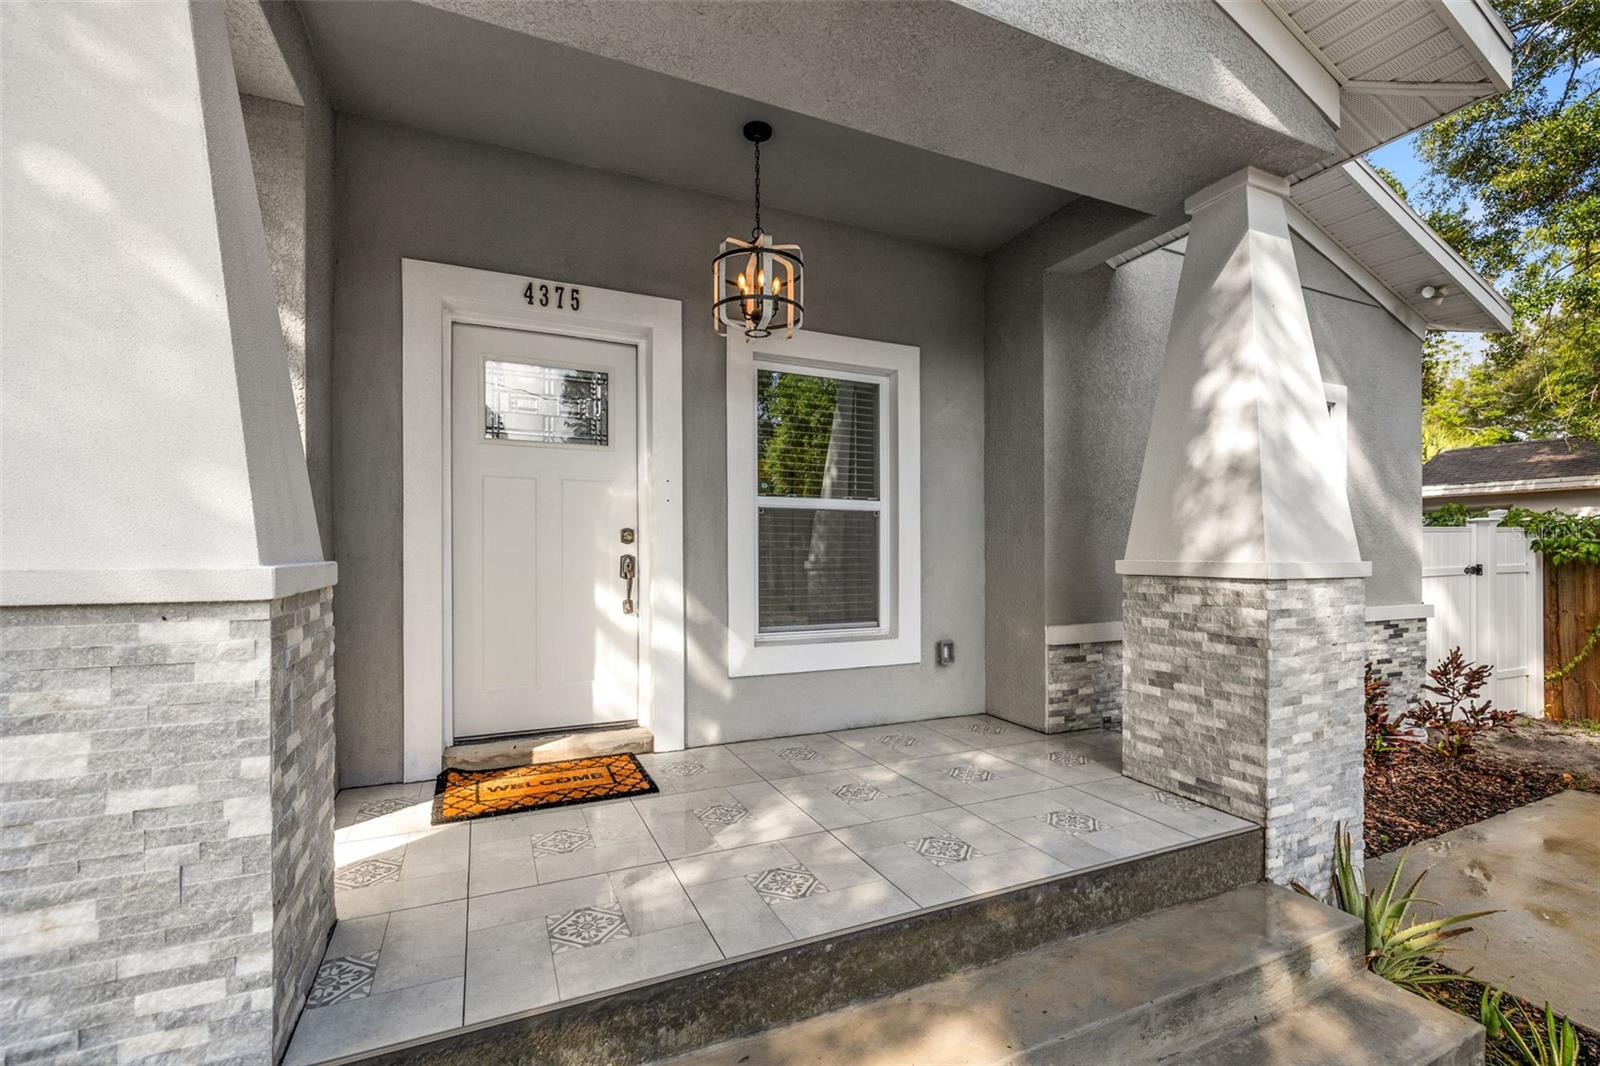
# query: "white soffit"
{"type": "Point", "coordinates": [1367, 219]}
{"type": "Point", "coordinates": [1350, 215]}
{"type": "Point", "coordinates": [1397, 65]}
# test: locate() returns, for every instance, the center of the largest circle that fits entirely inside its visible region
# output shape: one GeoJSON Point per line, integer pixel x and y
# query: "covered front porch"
{"type": "Point", "coordinates": [749, 850]}
{"type": "Point", "coordinates": [1141, 424]}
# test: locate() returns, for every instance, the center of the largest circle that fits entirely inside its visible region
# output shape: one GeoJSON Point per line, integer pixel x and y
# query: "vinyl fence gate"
{"type": "Point", "coordinates": [1486, 588]}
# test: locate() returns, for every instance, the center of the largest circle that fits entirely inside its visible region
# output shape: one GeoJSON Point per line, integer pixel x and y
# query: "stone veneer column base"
{"type": "Point", "coordinates": [167, 786]}
{"type": "Point", "coordinates": [1083, 686]}
{"type": "Point", "coordinates": [1398, 651]}
{"type": "Point", "coordinates": [1246, 695]}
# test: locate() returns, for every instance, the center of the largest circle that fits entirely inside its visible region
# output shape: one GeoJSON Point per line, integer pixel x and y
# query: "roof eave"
{"type": "Point", "coordinates": [1500, 488]}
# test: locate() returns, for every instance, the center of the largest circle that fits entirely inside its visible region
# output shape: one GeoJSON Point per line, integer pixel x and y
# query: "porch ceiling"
{"type": "Point", "coordinates": [459, 76]}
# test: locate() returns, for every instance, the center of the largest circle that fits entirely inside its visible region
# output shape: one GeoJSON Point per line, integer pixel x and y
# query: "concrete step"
{"type": "Point", "coordinates": [1365, 1021]}
{"type": "Point", "coordinates": [765, 992]}
{"type": "Point", "coordinates": [548, 747]}
{"type": "Point", "coordinates": [1138, 992]}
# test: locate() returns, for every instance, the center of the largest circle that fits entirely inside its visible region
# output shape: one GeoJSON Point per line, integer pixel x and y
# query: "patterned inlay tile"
{"type": "Point", "coordinates": [897, 740]}
{"type": "Point", "coordinates": [987, 729]}
{"type": "Point", "coordinates": [853, 792]}
{"type": "Point", "coordinates": [721, 814]}
{"type": "Point", "coordinates": [797, 754]}
{"type": "Point", "coordinates": [1069, 758]}
{"type": "Point", "coordinates": [969, 775]}
{"type": "Point", "coordinates": [367, 872]}
{"type": "Point", "coordinates": [1175, 801]}
{"type": "Point", "coordinates": [785, 883]}
{"type": "Point", "coordinates": [942, 851]}
{"type": "Point", "coordinates": [687, 768]}
{"type": "Point", "coordinates": [586, 927]}
{"type": "Point", "coordinates": [562, 841]}
{"type": "Point", "coordinates": [379, 808]}
{"type": "Point", "coordinates": [1071, 821]}
{"type": "Point", "coordinates": [344, 978]}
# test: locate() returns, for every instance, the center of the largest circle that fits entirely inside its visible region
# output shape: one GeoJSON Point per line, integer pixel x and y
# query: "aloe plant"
{"type": "Point", "coordinates": [1397, 949]}
{"type": "Point", "coordinates": [1532, 1045]}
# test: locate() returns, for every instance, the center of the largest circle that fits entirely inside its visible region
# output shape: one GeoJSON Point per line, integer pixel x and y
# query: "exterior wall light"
{"type": "Point", "coordinates": [756, 285]}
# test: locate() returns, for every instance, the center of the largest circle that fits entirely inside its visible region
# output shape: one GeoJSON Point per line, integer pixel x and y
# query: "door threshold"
{"type": "Point", "coordinates": [495, 753]}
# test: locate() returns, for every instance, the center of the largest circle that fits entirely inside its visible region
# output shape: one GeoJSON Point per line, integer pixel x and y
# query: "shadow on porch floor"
{"type": "Point", "coordinates": [747, 848]}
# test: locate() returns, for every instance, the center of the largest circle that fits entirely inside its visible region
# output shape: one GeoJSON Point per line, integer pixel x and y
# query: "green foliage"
{"type": "Point", "coordinates": [1583, 653]}
{"type": "Point", "coordinates": [1397, 948]}
{"type": "Point", "coordinates": [794, 422]}
{"type": "Point", "coordinates": [1560, 537]}
{"type": "Point", "coordinates": [1516, 1038]}
{"type": "Point", "coordinates": [1454, 720]}
{"type": "Point", "coordinates": [1451, 514]}
{"type": "Point", "coordinates": [1514, 185]}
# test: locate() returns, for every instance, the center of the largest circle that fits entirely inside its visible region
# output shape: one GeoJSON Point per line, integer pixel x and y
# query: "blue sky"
{"type": "Point", "coordinates": [1400, 159]}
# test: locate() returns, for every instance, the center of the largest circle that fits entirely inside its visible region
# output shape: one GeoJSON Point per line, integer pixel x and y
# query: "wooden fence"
{"type": "Point", "coordinates": [1571, 611]}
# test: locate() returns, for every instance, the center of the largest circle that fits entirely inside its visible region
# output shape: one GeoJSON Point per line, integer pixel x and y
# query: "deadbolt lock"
{"type": "Point", "coordinates": [627, 535]}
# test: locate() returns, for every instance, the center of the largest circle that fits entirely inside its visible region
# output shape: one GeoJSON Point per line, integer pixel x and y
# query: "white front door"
{"type": "Point", "coordinates": [544, 492]}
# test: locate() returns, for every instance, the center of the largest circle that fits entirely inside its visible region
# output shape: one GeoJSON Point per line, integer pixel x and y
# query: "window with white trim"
{"type": "Point", "coordinates": [823, 498]}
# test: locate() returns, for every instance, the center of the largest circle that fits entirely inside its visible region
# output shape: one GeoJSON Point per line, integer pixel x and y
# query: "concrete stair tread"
{"type": "Point", "coordinates": [1132, 992]}
{"type": "Point", "coordinates": [1365, 1021]}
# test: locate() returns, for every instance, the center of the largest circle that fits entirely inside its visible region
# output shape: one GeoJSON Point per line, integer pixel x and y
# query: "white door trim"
{"type": "Point", "coordinates": [435, 296]}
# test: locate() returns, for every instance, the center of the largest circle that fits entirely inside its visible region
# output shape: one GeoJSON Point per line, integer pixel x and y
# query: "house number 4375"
{"type": "Point", "coordinates": [539, 294]}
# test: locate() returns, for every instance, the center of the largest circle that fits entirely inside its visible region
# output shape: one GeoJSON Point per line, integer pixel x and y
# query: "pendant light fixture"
{"type": "Point", "coordinates": [756, 285]}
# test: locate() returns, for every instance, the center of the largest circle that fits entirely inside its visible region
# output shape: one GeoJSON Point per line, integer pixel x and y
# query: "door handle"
{"type": "Point", "coordinates": [626, 572]}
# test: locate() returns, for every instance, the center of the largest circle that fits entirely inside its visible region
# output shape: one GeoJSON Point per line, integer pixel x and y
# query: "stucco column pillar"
{"type": "Point", "coordinates": [1243, 589]}
{"type": "Point", "coordinates": [166, 701]}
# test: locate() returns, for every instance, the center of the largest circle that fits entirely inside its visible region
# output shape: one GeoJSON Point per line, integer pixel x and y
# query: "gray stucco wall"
{"type": "Point", "coordinates": [1106, 334]}
{"type": "Point", "coordinates": [291, 155]}
{"type": "Point", "coordinates": [1364, 348]}
{"type": "Point", "coordinates": [403, 193]}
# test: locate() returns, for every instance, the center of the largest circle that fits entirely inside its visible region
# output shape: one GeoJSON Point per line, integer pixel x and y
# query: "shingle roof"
{"type": "Point", "coordinates": [1522, 461]}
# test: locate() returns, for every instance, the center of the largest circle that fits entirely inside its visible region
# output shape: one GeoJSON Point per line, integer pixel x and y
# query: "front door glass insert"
{"type": "Point", "coordinates": [534, 404]}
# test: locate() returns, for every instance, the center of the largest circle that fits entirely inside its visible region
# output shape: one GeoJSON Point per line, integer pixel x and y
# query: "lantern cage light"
{"type": "Point", "coordinates": [757, 286]}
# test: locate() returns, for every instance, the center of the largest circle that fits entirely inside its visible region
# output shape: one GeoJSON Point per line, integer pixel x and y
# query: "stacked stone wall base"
{"type": "Point", "coordinates": [166, 805]}
{"type": "Point", "coordinates": [1246, 696]}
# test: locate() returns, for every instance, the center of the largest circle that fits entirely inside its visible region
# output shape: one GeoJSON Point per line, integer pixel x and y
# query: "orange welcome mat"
{"type": "Point", "coordinates": [464, 794]}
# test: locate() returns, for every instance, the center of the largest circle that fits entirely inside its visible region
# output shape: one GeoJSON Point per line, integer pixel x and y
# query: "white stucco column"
{"type": "Point", "coordinates": [147, 430]}
{"type": "Point", "coordinates": [165, 608]}
{"type": "Point", "coordinates": [1243, 594]}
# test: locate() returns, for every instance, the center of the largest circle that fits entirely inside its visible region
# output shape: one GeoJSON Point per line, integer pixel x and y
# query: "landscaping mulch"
{"type": "Point", "coordinates": [1414, 793]}
{"type": "Point", "coordinates": [1465, 997]}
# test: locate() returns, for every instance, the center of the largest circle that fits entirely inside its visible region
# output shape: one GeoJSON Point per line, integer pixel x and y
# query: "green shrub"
{"type": "Point", "coordinates": [1397, 949]}
{"type": "Point", "coordinates": [1517, 1039]}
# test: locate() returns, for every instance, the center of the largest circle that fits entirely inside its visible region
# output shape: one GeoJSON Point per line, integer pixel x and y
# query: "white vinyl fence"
{"type": "Point", "coordinates": [1486, 589]}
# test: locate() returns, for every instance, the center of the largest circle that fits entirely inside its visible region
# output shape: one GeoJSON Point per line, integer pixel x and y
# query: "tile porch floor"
{"type": "Point", "coordinates": [747, 847]}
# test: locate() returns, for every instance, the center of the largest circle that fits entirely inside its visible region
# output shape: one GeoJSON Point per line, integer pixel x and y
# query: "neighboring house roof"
{"type": "Point", "coordinates": [1524, 465]}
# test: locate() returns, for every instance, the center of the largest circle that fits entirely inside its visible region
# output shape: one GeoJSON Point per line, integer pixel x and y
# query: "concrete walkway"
{"type": "Point", "coordinates": [1539, 866]}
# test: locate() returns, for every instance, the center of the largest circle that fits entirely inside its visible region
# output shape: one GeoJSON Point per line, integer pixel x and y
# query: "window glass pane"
{"type": "Point", "coordinates": [818, 569]}
{"type": "Point", "coordinates": [816, 437]}
{"type": "Point", "coordinates": [544, 404]}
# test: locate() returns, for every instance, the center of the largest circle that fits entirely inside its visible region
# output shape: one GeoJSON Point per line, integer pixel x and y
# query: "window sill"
{"type": "Point", "coordinates": [813, 656]}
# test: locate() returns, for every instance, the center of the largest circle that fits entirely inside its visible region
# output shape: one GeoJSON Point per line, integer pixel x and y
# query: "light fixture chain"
{"type": "Point", "coordinates": [757, 231]}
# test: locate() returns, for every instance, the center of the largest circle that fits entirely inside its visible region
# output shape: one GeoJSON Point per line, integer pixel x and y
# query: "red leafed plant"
{"type": "Point", "coordinates": [1384, 733]}
{"type": "Point", "coordinates": [1458, 716]}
